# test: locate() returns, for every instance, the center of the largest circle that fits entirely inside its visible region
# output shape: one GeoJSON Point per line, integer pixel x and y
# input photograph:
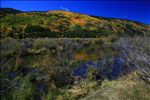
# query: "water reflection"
{"type": "Point", "coordinates": [113, 71]}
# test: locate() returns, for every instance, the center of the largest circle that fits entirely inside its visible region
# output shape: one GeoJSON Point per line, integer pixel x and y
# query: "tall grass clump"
{"type": "Point", "coordinates": [136, 54]}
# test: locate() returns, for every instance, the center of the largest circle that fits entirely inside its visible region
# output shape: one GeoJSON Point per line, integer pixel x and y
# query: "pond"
{"type": "Point", "coordinates": [113, 72]}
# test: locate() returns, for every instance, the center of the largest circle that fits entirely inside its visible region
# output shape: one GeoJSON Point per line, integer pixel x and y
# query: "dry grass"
{"type": "Point", "coordinates": [127, 88]}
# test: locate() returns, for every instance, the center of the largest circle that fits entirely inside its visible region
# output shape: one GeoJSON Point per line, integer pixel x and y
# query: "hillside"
{"type": "Point", "coordinates": [60, 23]}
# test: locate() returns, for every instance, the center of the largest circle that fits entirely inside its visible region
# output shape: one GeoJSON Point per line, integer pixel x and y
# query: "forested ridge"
{"type": "Point", "coordinates": [59, 23]}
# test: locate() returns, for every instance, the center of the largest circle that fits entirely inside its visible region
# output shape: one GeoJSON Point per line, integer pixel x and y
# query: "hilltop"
{"type": "Point", "coordinates": [59, 23]}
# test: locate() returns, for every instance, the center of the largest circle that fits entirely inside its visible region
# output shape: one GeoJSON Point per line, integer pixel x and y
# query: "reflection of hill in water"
{"type": "Point", "coordinates": [112, 72]}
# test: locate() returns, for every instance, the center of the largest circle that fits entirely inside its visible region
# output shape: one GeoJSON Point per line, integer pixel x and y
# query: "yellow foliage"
{"type": "Point", "coordinates": [78, 21]}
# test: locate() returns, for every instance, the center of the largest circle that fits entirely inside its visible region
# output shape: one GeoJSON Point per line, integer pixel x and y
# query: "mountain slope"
{"type": "Point", "coordinates": [60, 23]}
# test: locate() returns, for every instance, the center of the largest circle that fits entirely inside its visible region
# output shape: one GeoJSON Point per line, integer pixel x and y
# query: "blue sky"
{"type": "Point", "coordinates": [138, 10]}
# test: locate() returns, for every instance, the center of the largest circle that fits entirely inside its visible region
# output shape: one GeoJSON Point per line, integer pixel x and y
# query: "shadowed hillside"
{"type": "Point", "coordinates": [6, 11]}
